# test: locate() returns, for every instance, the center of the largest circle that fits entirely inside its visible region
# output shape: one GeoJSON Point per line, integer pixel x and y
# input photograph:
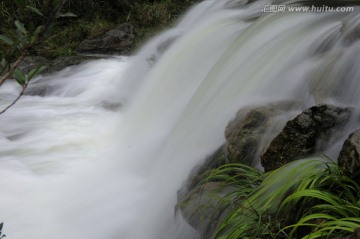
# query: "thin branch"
{"type": "Point", "coordinates": [50, 19]}
{"type": "Point", "coordinates": [5, 77]}
{"type": "Point", "coordinates": [17, 98]}
{"type": "Point", "coordinates": [13, 67]}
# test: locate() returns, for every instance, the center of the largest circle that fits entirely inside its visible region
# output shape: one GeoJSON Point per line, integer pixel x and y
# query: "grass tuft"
{"type": "Point", "coordinates": [308, 198]}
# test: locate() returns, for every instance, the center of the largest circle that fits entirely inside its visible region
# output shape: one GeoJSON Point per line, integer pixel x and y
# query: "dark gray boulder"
{"type": "Point", "coordinates": [349, 158]}
{"type": "Point", "coordinates": [251, 130]}
{"type": "Point", "coordinates": [119, 40]}
{"type": "Point", "coordinates": [305, 135]}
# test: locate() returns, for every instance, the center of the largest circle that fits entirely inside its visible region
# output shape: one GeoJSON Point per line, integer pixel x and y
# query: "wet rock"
{"type": "Point", "coordinates": [200, 172]}
{"type": "Point", "coordinates": [119, 40]}
{"type": "Point", "coordinates": [242, 135]}
{"type": "Point", "coordinates": [198, 202]}
{"type": "Point", "coordinates": [349, 158]}
{"type": "Point", "coordinates": [307, 134]}
{"type": "Point", "coordinates": [30, 62]}
{"type": "Point", "coordinates": [250, 131]}
{"type": "Point", "coordinates": [202, 208]}
{"type": "Point", "coordinates": [65, 61]}
{"type": "Point", "coordinates": [112, 106]}
{"type": "Point", "coordinates": [164, 45]}
{"type": "Point", "coordinates": [55, 65]}
{"type": "Point", "coordinates": [160, 49]}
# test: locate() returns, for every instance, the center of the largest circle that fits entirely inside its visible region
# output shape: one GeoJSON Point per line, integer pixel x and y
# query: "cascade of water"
{"type": "Point", "coordinates": [72, 167]}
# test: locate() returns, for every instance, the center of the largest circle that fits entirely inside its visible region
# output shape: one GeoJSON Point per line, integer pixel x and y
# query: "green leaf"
{"type": "Point", "coordinates": [35, 35]}
{"type": "Point", "coordinates": [6, 39]}
{"type": "Point", "coordinates": [20, 27]}
{"type": "Point", "coordinates": [35, 10]}
{"type": "Point", "coordinates": [20, 77]}
{"type": "Point", "coordinates": [38, 30]}
{"type": "Point", "coordinates": [1, 227]}
{"type": "Point", "coordinates": [67, 14]}
{"type": "Point", "coordinates": [35, 71]}
{"type": "Point", "coordinates": [325, 196]}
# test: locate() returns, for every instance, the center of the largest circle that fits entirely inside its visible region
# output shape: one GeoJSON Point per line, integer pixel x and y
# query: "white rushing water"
{"type": "Point", "coordinates": [102, 154]}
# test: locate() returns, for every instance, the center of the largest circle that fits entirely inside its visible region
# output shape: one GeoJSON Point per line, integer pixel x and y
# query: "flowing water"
{"type": "Point", "coordinates": [102, 152]}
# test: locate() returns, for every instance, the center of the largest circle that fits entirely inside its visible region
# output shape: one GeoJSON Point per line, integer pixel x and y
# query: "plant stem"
{"type": "Point", "coordinates": [17, 98]}
{"type": "Point", "coordinates": [13, 67]}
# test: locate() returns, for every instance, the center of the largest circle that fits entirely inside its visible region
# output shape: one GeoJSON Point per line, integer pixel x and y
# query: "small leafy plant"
{"type": "Point", "coordinates": [22, 42]}
{"type": "Point", "coordinates": [1, 227]}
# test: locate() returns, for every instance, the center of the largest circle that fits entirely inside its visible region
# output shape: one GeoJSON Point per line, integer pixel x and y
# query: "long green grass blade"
{"type": "Point", "coordinates": [313, 193]}
{"type": "Point", "coordinates": [20, 26]}
{"type": "Point", "coordinates": [6, 39]}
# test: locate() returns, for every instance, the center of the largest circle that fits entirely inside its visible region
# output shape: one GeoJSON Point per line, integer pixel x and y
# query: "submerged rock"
{"type": "Point", "coordinates": [119, 40]}
{"type": "Point", "coordinates": [198, 202]}
{"type": "Point", "coordinates": [57, 64]}
{"type": "Point", "coordinates": [200, 172]}
{"type": "Point", "coordinates": [349, 158]}
{"type": "Point", "coordinates": [307, 134]}
{"type": "Point", "coordinates": [52, 66]}
{"type": "Point", "coordinates": [203, 209]}
{"type": "Point", "coordinates": [215, 160]}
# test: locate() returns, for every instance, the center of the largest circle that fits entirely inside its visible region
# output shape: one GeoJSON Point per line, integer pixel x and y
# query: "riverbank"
{"type": "Point", "coordinates": [90, 19]}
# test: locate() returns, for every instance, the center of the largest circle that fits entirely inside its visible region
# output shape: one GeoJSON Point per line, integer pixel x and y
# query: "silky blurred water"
{"type": "Point", "coordinates": [102, 152]}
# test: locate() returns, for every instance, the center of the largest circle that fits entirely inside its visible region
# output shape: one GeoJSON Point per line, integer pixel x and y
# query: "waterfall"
{"type": "Point", "coordinates": [103, 152]}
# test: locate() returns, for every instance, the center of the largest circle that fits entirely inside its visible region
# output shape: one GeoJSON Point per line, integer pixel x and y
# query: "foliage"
{"type": "Point", "coordinates": [23, 41]}
{"type": "Point", "coordinates": [93, 18]}
{"type": "Point", "coordinates": [35, 20]}
{"type": "Point", "coordinates": [65, 41]}
{"type": "Point", "coordinates": [329, 205]}
{"type": "Point", "coordinates": [1, 227]}
{"type": "Point", "coordinates": [308, 198]}
{"type": "Point", "coordinates": [243, 177]}
{"type": "Point", "coordinates": [148, 16]}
